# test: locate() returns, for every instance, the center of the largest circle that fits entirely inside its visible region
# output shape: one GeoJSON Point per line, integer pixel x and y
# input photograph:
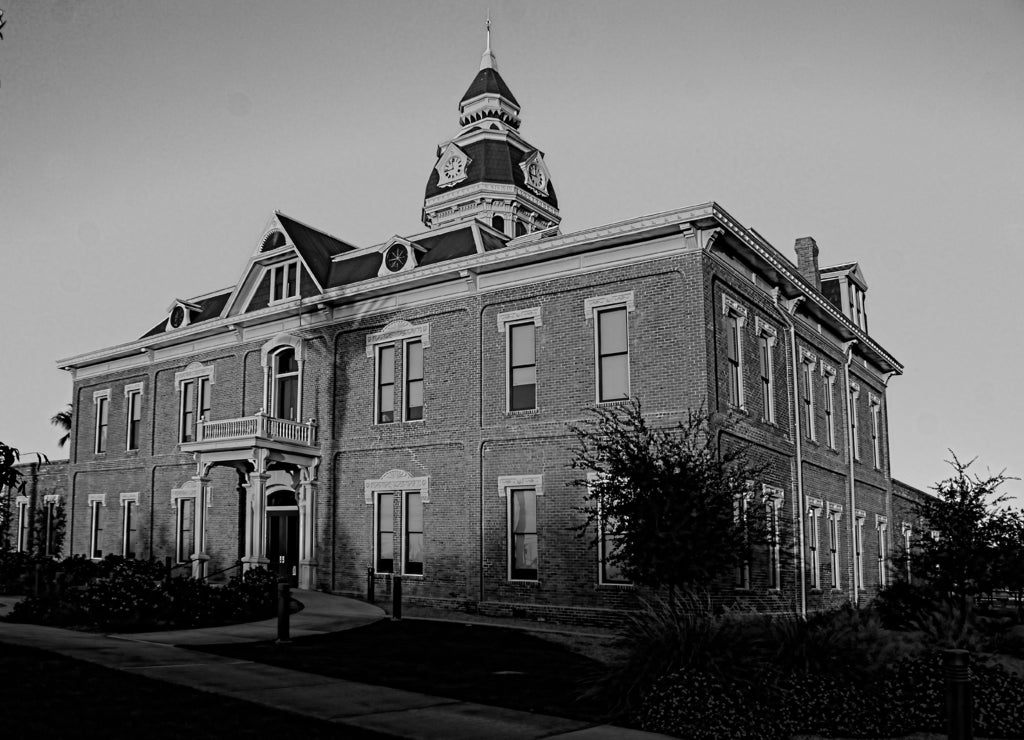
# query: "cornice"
{"type": "Point", "coordinates": [775, 258]}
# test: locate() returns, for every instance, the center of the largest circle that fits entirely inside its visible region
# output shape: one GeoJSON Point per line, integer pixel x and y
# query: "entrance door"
{"type": "Point", "coordinates": [283, 536]}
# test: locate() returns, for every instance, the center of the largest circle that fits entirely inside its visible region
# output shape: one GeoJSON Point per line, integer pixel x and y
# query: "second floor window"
{"type": "Point", "coordinates": [133, 418]}
{"type": "Point", "coordinates": [285, 403]}
{"type": "Point", "coordinates": [854, 422]}
{"type": "Point", "coordinates": [522, 367]}
{"type": "Point", "coordinates": [767, 393]}
{"type": "Point", "coordinates": [195, 405]}
{"type": "Point", "coordinates": [413, 381]}
{"type": "Point", "coordinates": [284, 281]}
{"type": "Point", "coordinates": [828, 406]}
{"type": "Point", "coordinates": [102, 416]}
{"type": "Point", "coordinates": [807, 381]}
{"type": "Point", "coordinates": [876, 437]}
{"type": "Point", "coordinates": [386, 384]}
{"type": "Point", "coordinates": [612, 355]}
{"type": "Point", "coordinates": [734, 359]}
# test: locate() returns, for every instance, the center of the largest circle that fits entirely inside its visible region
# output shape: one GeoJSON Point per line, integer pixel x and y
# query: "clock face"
{"type": "Point", "coordinates": [535, 176]}
{"type": "Point", "coordinates": [396, 257]}
{"type": "Point", "coordinates": [177, 316]}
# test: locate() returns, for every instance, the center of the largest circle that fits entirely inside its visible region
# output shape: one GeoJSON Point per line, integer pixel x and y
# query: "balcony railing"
{"type": "Point", "coordinates": [261, 426]}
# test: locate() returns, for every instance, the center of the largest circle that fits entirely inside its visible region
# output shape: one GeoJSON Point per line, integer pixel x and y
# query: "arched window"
{"type": "Point", "coordinates": [281, 498]}
{"type": "Point", "coordinates": [520, 228]}
{"type": "Point", "coordinates": [285, 385]}
{"type": "Point", "coordinates": [498, 223]}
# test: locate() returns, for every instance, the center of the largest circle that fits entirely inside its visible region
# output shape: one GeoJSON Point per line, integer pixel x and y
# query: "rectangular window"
{"type": "Point", "coordinates": [102, 410]}
{"type": "Point", "coordinates": [24, 525]}
{"type": "Point", "coordinates": [50, 533]}
{"type": "Point", "coordinates": [876, 442]}
{"type": "Point", "coordinates": [609, 546]}
{"type": "Point", "coordinates": [522, 367]}
{"type": "Point", "coordinates": [767, 392]}
{"type": "Point", "coordinates": [908, 533]}
{"type": "Point", "coordinates": [858, 549]}
{"type": "Point", "coordinates": [833, 547]}
{"type": "Point", "coordinates": [185, 543]}
{"type": "Point", "coordinates": [413, 555]}
{"type": "Point", "coordinates": [188, 413]}
{"type": "Point", "coordinates": [386, 533]}
{"type": "Point", "coordinates": [523, 534]}
{"type": "Point", "coordinates": [882, 528]}
{"type": "Point", "coordinates": [829, 408]}
{"type": "Point", "coordinates": [807, 381]}
{"type": "Point", "coordinates": [612, 355]}
{"type": "Point", "coordinates": [386, 384]}
{"type": "Point", "coordinates": [204, 399]}
{"type": "Point", "coordinates": [813, 545]}
{"type": "Point", "coordinates": [284, 281]}
{"type": "Point", "coordinates": [413, 381]}
{"type": "Point", "coordinates": [734, 356]}
{"type": "Point", "coordinates": [740, 516]}
{"type": "Point", "coordinates": [134, 418]}
{"type": "Point", "coordinates": [774, 543]}
{"type": "Point", "coordinates": [95, 529]}
{"type": "Point", "coordinates": [130, 529]}
{"type": "Point", "coordinates": [854, 424]}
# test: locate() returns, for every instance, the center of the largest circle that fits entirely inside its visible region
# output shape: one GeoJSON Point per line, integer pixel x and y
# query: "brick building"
{"type": "Point", "coordinates": [404, 405]}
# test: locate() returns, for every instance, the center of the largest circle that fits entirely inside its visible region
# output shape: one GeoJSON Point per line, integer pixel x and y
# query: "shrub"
{"type": "Point", "coordinates": [900, 604]}
{"type": "Point", "coordinates": [702, 706]}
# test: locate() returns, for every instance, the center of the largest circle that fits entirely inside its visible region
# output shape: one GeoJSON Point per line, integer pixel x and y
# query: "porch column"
{"type": "Point", "coordinates": [256, 517]}
{"type": "Point", "coordinates": [307, 527]}
{"type": "Point", "coordinates": [200, 557]}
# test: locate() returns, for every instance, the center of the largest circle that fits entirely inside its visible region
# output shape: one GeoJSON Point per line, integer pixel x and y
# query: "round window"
{"type": "Point", "coordinates": [396, 257]}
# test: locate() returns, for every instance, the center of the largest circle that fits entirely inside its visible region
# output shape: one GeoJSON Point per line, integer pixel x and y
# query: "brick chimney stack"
{"type": "Point", "coordinates": [807, 260]}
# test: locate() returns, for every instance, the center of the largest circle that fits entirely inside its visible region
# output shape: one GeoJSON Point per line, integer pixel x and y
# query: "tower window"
{"type": "Point", "coordinates": [498, 223]}
{"type": "Point", "coordinates": [520, 228]}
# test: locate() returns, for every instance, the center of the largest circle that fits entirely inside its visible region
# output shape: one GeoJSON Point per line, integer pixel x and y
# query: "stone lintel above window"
{"type": "Point", "coordinates": [509, 482]}
{"type": "Point", "coordinates": [519, 317]}
{"type": "Point", "coordinates": [592, 305]}
{"type": "Point", "coordinates": [397, 331]}
{"type": "Point", "coordinates": [397, 480]}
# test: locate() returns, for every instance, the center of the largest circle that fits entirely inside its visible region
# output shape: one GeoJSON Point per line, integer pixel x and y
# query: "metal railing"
{"type": "Point", "coordinates": [260, 425]}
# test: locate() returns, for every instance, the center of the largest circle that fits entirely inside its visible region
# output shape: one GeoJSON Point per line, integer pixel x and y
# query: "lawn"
{"type": "Point", "coordinates": [48, 695]}
{"type": "Point", "coordinates": [491, 665]}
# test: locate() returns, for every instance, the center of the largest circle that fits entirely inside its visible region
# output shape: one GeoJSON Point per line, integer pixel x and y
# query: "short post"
{"type": "Point", "coordinates": [958, 694]}
{"type": "Point", "coordinates": [284, 598]}
{"type": "Point", "coordinates": [371, 595]}
{"type": "Point", "coordinates": [396, 598]}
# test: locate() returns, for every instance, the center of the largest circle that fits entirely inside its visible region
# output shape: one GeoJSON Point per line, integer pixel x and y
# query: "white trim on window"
{"type": "Point", "coordinates": [396, 480]}
{"type": "Point", "coordinates": [101, 428]}
{"type": "Point", "coordinates": [855, 419]}
{"type": "Point", "coordinates": [507, 322]}
{"type": "Point", "coordinates": [808, 361]}
{"type": "Point", "coordinates": [858, 547]}
{"type": "Point", "coordinates": [773, 498]}
{"type": "Point", "coordinates": [814, 507]}
{"type": "Point", "coordinates": [129, 503]}
{"type": "Point", "coordinates": [766, 332]}
{"type": "Point", "coordinates": [593, 309]}
{"type": "Point", "coordinates": [875, 410]}
{"type": "Point", "coordinates": [835, 513]}
{"type": "Point", "coordinates": [133, 400]}
{"type": "Point", "coordinates": [828, 373]}
{"type": "Point", "coordinates": [736, 313]}
{"type": "Point", "coordinates": [406, 380]}
{"type": "Point", "coordinates": [195, 370]}
{"type": "Point", "coordinates": [907, 531]}
{"type": "Point", "coordinates": [882, 532]}
{"type": "Point", "coordinates": [96, 500]}
{"type": "Point", "coordinates": [612, 300]}
{"type": "Point", "coordinates": [508, 482]}
{"type": "Point", "coordinates": [397, 331]}
{"type": "Point", "coordinates": [24, 532]}
{"type": "Point", "coordinates": [273, 271]}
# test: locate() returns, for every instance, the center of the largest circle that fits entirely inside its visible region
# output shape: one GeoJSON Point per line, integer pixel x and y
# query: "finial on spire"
{"type": "Point", "coordinates": [487, 61]}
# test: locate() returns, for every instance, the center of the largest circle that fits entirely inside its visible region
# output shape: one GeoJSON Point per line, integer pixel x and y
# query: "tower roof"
{"type": "Point", "coordinates": [488, 80]}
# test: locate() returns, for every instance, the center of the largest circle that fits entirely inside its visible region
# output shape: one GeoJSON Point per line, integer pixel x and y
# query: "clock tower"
{"type": "Point", "coordinates": [489, 171]}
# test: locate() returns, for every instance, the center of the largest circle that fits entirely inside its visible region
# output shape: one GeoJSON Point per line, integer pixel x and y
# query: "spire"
{"type": "Point", "coordinates": [487, 61]}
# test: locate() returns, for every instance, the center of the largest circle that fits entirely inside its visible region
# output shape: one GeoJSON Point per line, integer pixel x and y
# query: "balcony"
{"type": "Point", "coordinates": [248, 432]}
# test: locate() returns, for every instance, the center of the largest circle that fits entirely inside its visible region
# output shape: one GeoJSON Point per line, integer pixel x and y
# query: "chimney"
{"type": "Point", "coordinates": [807, 260]}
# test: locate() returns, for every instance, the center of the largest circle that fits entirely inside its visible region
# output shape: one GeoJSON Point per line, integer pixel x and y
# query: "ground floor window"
{"type": "Point", "coordinates": [184, 530]}
{"type": "Point", "coordinates": [96, 504]}
{"type": "Point", "coordinates": [413, 555]}
{"type": "Point", "coordinates": [385, 544]}
{"type": "Point", "coordinates": [523, 534]}
{"type": "Point", "coordinates": [129, 524]}
{"type": "Point", "coordinates": [611, 572]}
{"type": "Point", "coordinates": [24, 524]}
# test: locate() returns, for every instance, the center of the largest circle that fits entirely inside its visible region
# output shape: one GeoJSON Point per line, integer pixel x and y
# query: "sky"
{"type": "Point", "coordinates": [145, 144]}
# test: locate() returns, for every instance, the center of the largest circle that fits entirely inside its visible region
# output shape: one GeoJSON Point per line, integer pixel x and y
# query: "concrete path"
{"type": "Point", "coordinates": [402, 714]}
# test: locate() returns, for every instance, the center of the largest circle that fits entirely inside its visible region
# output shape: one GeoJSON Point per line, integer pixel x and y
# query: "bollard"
{"type": "Point", "coordinates": [283, 611]}
{"type": "Point", "coordinates": [371, 596]}
{"type": "Point", "coordinates": [958, 694]}
{"type": "Point", "coordinates": [396, 598]}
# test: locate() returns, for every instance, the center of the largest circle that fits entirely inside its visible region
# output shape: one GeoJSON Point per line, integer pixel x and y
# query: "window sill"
{"type": "Point", "coordinates": [614, 402]}
{"type": "Point", "coordinates": [616, 587]}
{"type": "Point", "coordinates": [524, 580]}
{"type": "Point", "coordinates": [417, 576]}
{"type": "Point", "coordinates": [510, 414]}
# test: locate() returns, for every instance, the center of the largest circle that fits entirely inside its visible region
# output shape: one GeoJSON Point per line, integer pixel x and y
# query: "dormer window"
{"type": "Point", "coordinates": [397, 255]}
{"type": "Point", "coordinates": [284, 281]}
{"type": "Point", "coordinates": [180, 314]}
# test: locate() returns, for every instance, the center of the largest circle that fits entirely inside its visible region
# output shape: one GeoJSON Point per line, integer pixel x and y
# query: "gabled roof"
{"type": "Point", "coordinates": [316, 247]}
{"type": "Point", "coordinates": [851, 269]}
{"type": "Point", "coordinates": [488, 80]}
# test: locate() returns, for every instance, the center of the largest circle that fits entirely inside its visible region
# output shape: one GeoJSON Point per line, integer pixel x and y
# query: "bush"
{"type": "Point", "coordinates": [702, 706]}
{"type": "Point", "coordinates": [902, 603]}
{"type": "Point", "coordinates": [132, 595]}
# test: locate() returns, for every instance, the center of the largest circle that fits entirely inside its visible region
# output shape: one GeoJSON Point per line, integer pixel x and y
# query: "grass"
{"type": "Point", "coordinates": [471, 662]}
{"type": "Point", "coordinates": [48, 695]}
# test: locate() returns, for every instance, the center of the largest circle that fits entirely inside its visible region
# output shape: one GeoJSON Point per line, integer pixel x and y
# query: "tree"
{"type": "Point", "coordinates": [1009, 556]}
{"type": "Point", "coordinates": [674, 503]}
{"type": "Point", "coordinates": [959, 559]}
{"type": "Point", "coordinates": [62, 419]}
{"type": "Point", "coordinates": [10, 481]}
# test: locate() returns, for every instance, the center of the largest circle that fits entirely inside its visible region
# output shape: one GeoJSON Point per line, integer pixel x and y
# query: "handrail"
{"type": "Point", "coordinates": [261, 426]}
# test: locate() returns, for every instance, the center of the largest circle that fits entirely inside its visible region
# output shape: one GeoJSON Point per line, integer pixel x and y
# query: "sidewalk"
{"type": "Point", "coordinates": [402, 714]}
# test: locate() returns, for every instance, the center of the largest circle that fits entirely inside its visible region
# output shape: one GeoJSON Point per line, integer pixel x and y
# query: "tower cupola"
{"type": "Point", "coordinates": [488, 171]}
